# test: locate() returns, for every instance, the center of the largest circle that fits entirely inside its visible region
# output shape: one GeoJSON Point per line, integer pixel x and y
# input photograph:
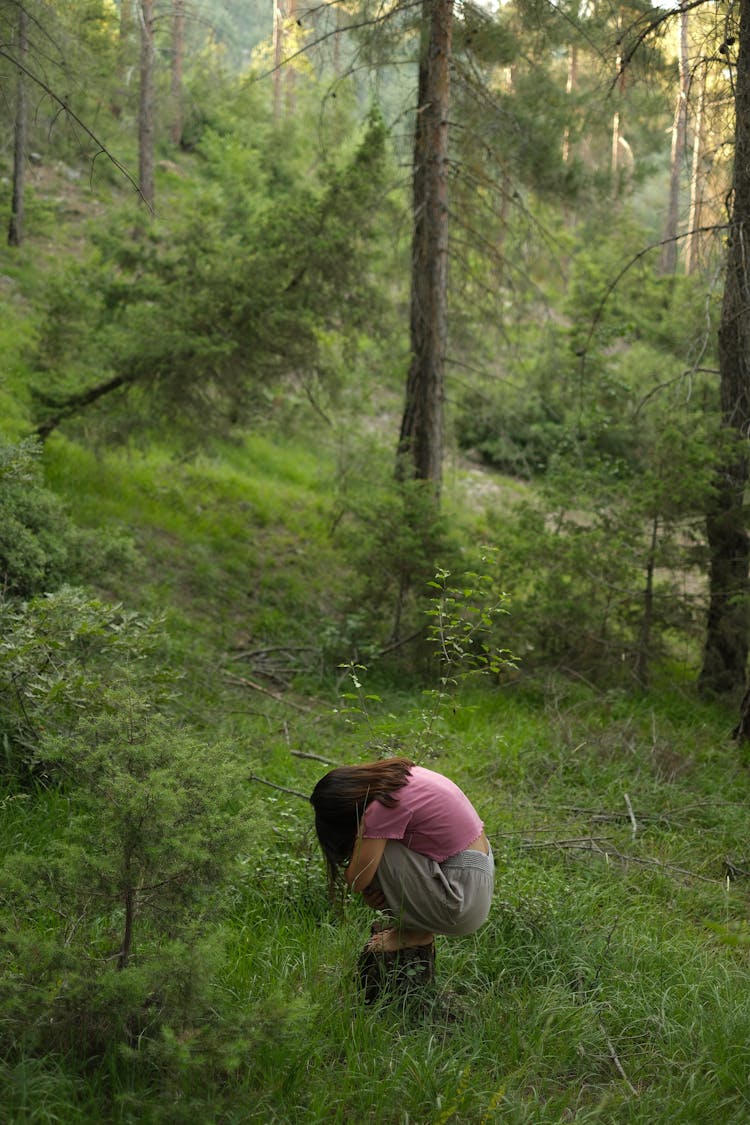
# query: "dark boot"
{"type": "Point", "coordinates": [401, 971]}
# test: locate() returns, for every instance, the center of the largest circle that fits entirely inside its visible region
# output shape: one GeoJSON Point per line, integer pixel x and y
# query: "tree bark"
{"type": "Point", "coordinates": [20, 136]}
{"type": "Point", "coordinates": [76, 402]}
{"type": "Point", "coordinates": [692, 243]}
{"type": "Point", "coordinates": [726, 648]}
{"type": "Point", "coordinates": [178, 55]}
{"type": "Point", "coordinates": [668, 263]}
{"type": "Point", "coordinates": [146, 103]}
{"type": "Point", "coordinates": [290, 76]}
{"type": "Point", "coordinates": [279, 15]}
{"type": "Point", "coordinates": [337, 42]}
{"type": "Point", "coordinates": [126, 17]}
{"type": "Point", "coordinates": [420, 446]}
{"type": "Point", "coordinates": [643, 654]}
{"type": "Point", "coordinates": [570, 89]}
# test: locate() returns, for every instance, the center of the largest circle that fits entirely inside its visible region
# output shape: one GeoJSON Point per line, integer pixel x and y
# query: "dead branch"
{"type": "Point", "coordinates": [583, 352]}
{"type": "Point", "coordinates": [281, 788]}
{"type": "Point", "coordinates": [64, 107]}
{"type": "Point", "coordinates": [734, 871]}
{"type": "Point", "coordinates": [616, 814]}
{"type": "Point", "coordinates": [616, 1061]}
{"type": "Point", "coordinates": [252, 653]}
{"type": "Point", "coordinates": [311, 757]}
{"type": "Point", "coordinates": [587, 842]}
{"type": "Point", "coordinates": [242, 681]}
{"type": "Point", "coordinates": [592, 844]}
{"type": "Point", "coordinates": [631, 814]}
{"type": "Point", "coordinates": [394, 645]}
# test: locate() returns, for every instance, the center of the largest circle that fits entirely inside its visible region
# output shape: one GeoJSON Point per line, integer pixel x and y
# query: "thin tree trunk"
{"type": "Point", "coordinates": [615, 159]}
{"type": "Point", "coordinates": [726, 647]}
{"type": "Point", "coordinates": [20, 136]}
{"type": "Point", "coordinates": [668, 263]}
{"type": "Point", "coordinates": [420, 446]}
{"type": "Point", "coordinates": [146, 103]}
{"type": "Point", "coordinates": [570, 86]}
{"type": "Point", "coordinates": [337, 43]}
{"type": "Point", "coordinates": [692, 244]}
{"type": "Point", "coordinates": [647, 619]}
{"type": "Point", "coordinates": [178, 55]}
{"type": "Point", "coordinates": [279, 15]}
{"type": "Point", "coordinates": [126, 17]}
{"type": "Point", "coordinates": [615, 147]}
{"type": "Point", "coordinates": [127, 938]}
{"type": "Point", "coordinates": [619, 144]}
{"type": "Point", "coordinates": [290, 76]}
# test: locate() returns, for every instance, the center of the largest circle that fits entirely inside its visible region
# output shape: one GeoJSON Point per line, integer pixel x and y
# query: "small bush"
{"type": "Point", "coordinates": [114, 932]}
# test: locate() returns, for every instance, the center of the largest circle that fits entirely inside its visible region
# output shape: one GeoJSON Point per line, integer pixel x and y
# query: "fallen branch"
{"type": "Point", "coordinates": [731, 870]}
{"type": "Point", "coordinates": [242, 681]}
{"type": "Point", "coordinates": [631, 814]}
{"type": "Point", "coordinates": [311, 757]}
{"type": "Point", "coordinates": [595, 814]}
{"type": "Point", "coordinates": [616, 1061]}
{"type": "Point", "coordinates": [617, 814]}
{"type": "Point", "coordinates": [251, 654]}
{"type": "Point", "coordinates": [592, 844]}
{"type": "Point", "coordinates": [588, 843]}
{"type": "Point", "coordinates": [281, 788]}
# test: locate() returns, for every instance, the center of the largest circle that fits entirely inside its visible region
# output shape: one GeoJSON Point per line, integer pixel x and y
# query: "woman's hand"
{"type": "Point", "coordinates": [374, 898]}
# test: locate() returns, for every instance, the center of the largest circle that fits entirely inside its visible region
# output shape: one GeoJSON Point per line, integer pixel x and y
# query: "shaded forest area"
{"type": "Point", "coordinates": [373, 380]}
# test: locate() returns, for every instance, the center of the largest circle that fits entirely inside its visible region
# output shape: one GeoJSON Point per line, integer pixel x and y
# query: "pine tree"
{"type": "Point", "coordinates": [726, 646]}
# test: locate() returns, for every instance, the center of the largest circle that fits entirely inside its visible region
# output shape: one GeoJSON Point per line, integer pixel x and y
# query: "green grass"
{"type": "Point", "coordinates": [602, 988]}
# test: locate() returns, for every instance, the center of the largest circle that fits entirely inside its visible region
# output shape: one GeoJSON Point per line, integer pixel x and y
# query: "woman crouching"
{"type": "Point", "coordinates": [411, 843]}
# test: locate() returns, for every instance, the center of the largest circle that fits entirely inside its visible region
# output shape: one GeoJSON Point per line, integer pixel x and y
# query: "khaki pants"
{"type": "Point", "coordinates": [452, 897]}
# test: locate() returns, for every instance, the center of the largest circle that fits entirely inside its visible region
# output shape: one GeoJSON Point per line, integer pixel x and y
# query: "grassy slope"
{"type": "Point", "coordinates": [600, 989]}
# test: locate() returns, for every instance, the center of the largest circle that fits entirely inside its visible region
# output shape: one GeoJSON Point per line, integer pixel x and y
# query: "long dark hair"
{"type": "Point", "coordinates": [341, 797]}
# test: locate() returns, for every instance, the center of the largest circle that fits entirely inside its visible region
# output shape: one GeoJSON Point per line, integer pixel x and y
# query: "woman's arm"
{"type": "Point", "coordinates": [366, 856]}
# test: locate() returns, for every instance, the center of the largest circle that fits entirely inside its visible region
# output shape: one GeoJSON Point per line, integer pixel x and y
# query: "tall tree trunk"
{"type": "Point", "coordinates": [126, 17]}
{"type": "Point", "coordinates": [420, 446]}
{"type": "Point", "coordinates": [615, 161]}
{"type": "Point", "coordinates": [726, 647]}
{"type": "Point", "coordinates": [668, 263]}
{"type": "Point", "coordinates": [146, 103]}
{"type": "Point", "coordinates": [643, 655]}
{"type": "Point", "coordinates": [570, 87]}
{"type": "Point", "coordinates": [290, 76]}
{"type": "Point", "coordinates": [279, 16]}
{"type": "Point", "coordinates": [692, 242]}
{"type": "Point", "coordinates": [15, 227]}
{"type": "Point", "coordinates": [337, 42]}
{"type": "Point", "coordinates": [178, 55]}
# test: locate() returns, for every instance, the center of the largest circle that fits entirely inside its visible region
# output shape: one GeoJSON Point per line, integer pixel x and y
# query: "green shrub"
{"type": "Point", "coordinates": [58, 655]}
{"type": "Point", "coordinates": [40, 547]}
{"type": "Point", "coordinates": [114, 932]}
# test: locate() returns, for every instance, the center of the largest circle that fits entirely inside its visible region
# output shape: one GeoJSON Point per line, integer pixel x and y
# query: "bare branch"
{"type": "Point", "coordinates": [281, 788]}
{"type": "Point", "coordinates": [64, 107]}
{"type": "Point", "coordinates": [242, 681]}
{"type": "Point", "coordinates": [711, 228]}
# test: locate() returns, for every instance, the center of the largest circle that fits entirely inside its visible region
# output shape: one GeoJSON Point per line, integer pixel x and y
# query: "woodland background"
{"type": "Point", "coordinates": [373, 379]}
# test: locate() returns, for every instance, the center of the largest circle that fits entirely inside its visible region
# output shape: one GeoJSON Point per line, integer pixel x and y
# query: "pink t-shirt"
{"type": "Point", "coordinates": [432, 817]}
